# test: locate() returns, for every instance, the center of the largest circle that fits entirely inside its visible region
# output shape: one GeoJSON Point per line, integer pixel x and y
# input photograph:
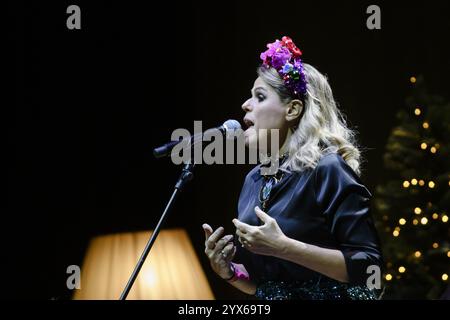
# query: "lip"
{"type": "Point", "coordinates": [248, 123]}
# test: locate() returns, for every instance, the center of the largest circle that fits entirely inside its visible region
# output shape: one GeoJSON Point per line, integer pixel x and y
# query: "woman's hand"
{"type": "Point", "coordinates": [220, 251]}
{"type": "Point", "coordinates": [267, 239]}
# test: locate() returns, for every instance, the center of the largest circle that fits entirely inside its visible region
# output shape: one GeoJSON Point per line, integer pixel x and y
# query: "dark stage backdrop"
{"type": "Point", "coordinates": [91, 104]}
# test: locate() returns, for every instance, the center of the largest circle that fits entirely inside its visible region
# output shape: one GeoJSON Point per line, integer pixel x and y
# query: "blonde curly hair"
{"type": "Point", "coordinates": [321, 129]}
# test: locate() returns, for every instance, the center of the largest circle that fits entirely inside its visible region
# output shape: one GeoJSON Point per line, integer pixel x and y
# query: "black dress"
{"type": "Point", "coordinates": [327, 207]}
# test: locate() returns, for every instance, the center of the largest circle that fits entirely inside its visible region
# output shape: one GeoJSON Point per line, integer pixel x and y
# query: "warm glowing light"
{"type": "Point", "coordinates": [413, 79]}
{"type": "Point", "coordinates": [395, 233]}
{"type": "Point", "coordinates": [417, 210]}
{"type": "Point", "coordinates": [448, 254]}
{"type": "Point", "coordinates": [417, 254]}
{"type": "Point", "coordinates": [433, 149]}
{"type": "Point", "coordinates": [414, 181]}
{"type": "Point", "coordinates": [444, 218]}
{"type": "Point", "coordinates": [424, 220]}
{"type": "Point", "coordinates": [423, 146]}
{"type": "Point", "coordinates": [435, 216]}
{"type": "Point", "coordinates": [435, 245]}
{"type": "Point", "coordinates": [173, 272]}
{"type": "Point", "coordinates": [388, 277]}
{"type": "Point", "coordinates": [401, 269]}
{"type": "Point", "coordinates": [405, 184]}
{"type": "Point", "coordinates": [402, 221]}
{"type": "Point", "coordinates": [149, 277]}
{"type": "Point", "coordinates": [417, 111]}
{"type": "Point", "coordinates": [421, 183]}
{"type": "Point", "coordinates": [445, 277]}
{"type": "Point", "coordinates": [431, 184]}
{"type": "Point", "coordinates": [425, 125]}
{"type": "Point", "coordinates": [415, 222]}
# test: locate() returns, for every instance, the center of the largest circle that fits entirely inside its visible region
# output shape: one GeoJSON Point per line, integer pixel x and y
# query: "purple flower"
{"type": "Point", "coordinates": [298, 63]}
{"type": "Point", "coordinates": [281, 56]}
{"type": "Point", "coordinates": [276, 54]}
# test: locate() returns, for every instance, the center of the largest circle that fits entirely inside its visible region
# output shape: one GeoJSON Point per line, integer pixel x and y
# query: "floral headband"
{"type": "Point", "coordinates": [284, 56]}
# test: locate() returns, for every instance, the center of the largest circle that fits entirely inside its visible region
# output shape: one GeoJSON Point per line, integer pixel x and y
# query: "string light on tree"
{"type": "Point", "coordinates": [415, 197]}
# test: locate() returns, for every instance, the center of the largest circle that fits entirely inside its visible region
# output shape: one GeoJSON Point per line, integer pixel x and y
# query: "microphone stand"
{"type": "Point", "coordinates": [186, 176]}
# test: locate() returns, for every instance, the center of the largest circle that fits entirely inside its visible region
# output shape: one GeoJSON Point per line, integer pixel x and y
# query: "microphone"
{"type": "Point", "coordinates": [228, 127]}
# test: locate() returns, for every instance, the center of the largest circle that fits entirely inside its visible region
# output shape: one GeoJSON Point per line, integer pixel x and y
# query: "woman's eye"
{"type": "Point", "coordinates": [260, 97]}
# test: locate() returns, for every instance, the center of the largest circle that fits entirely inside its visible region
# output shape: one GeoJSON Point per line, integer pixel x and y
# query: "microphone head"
{"type": "Point", "coordinates": [230, 128]}
{"type": "Point", "coordinates": [231, 125]}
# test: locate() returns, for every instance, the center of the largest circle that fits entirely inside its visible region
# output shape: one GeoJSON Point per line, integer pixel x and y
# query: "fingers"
{"type": "Point", "coordinates": [243, 227]}
{"type": "Point", "coordinates": [240, 234]}
{"type": "Point", "coordinates": [223, 242]}
{"type": "Point", "coordinates": [208, 230]}
{"type": "Point", "coordinates": [228, 249]}
{"type": "Point", "coordinates": [264, 217]}
{"type": "Point", "coordinates": [216, 234]}
{"type": "Point", "coordinates": [244, 242]}
{"type": "Point", "coordinates": [212, 239]}
{"type": "Point", "coordinates": [227, 253]}
{"type": "Point", "coordinates": [234, 252]}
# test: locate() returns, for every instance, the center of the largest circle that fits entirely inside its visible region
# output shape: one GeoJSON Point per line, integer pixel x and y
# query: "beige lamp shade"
{"type": "Point", "coordinates": [171, 271]}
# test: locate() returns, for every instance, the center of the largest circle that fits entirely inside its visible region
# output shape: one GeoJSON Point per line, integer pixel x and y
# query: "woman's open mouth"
{"type": "Point", "coordinates": [248, 123]}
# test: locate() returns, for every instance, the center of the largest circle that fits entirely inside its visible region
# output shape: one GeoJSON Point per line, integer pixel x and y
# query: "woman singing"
{"type": "Point", "coordinates": [304, 232]}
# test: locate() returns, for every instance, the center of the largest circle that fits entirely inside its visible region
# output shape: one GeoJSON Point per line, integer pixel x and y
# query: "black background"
{"type": "Point", "coordinates": [91, 104]}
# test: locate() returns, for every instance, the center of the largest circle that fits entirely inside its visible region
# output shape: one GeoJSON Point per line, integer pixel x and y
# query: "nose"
{"type": "Point", "coordinates": [246, 106]}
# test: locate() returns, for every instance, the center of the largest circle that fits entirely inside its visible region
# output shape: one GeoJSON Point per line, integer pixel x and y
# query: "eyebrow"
{"type": "Point", "coordinates": [258, 88]}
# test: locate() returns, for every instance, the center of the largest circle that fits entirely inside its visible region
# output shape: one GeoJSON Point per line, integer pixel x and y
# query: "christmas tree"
{"type": "Point", "coordinates": [412, 205]}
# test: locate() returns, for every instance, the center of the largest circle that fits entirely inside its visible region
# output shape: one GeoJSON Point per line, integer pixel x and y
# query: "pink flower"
{"type": "Point", "coordinates": [276, 55]}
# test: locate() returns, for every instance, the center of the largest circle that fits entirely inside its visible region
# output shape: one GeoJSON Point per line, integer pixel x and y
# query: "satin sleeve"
{"type": "Point", "coordinates": [345, 202]}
